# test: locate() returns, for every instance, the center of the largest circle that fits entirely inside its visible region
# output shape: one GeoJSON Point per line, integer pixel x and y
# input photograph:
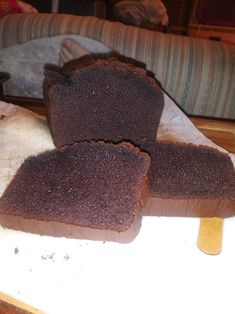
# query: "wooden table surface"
{"type": "Point", "coordinates": [221, 132]}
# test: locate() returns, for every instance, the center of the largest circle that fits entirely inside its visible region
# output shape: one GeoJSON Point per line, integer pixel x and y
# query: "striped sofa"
{"type": "Point", "coordinates": [198, 74]}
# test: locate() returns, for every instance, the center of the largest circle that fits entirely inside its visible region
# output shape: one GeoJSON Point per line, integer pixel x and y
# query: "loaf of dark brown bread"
{"type": "Point", "coordinates": [87, 190]}
{"type": "Point", "coordinates": [189, 180]}
{"type": "Point", "coordinates": [105, 100]}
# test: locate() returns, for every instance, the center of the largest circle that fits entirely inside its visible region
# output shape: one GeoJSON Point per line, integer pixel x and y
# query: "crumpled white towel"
{"type": "Point", "coordinates": [22, 134]}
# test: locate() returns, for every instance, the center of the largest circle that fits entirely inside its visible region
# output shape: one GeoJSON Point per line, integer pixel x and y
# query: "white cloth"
{"type": "Point", "coordinates": [161, 271]}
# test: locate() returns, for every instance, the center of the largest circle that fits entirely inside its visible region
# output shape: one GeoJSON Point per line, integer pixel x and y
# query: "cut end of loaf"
{"type": "Point", "coordinates": [189, 171]}
{"type": "Point", "coordinates": [99, 186]}
{"type": "Point", "coordinates": [105, 100]}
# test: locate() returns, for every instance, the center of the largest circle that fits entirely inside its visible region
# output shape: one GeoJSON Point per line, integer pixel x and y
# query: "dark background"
{"type": "Point", "coordinates": [79, 7]}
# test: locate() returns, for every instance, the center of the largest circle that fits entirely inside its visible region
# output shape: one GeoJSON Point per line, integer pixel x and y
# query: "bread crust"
{"type": "Point", "coordinates": [80, 210]}
{"type": "Point", "coordinates": [158, 206]}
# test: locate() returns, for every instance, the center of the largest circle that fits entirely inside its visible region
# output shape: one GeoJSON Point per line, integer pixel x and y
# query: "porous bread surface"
{"type": "Point", "coordinates": [189, 171]}
{"type": "Point", "coordinates": [106, 100]}
{"type": "Point", "coordinates": [94, 185]}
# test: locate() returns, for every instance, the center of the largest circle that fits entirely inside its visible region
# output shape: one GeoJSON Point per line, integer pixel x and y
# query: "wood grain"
{"type": "Point", "coordinates": [210, 235]}
{"type": "Point", "coordinates": [10, 305]}
{"type": "Point", "coordinates": [221, 132]}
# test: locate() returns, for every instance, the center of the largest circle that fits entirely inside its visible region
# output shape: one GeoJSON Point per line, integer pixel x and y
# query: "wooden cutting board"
{"type": "Point", "coordinates": [9, 305]}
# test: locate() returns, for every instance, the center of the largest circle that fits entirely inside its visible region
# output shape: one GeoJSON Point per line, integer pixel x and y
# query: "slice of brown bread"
{"type": "Point", "coordinates": [87, 190]}
{"type": "Point", "coordinates": [106, 100]}
{"type": "Point", "coordinates": [189, 180]}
